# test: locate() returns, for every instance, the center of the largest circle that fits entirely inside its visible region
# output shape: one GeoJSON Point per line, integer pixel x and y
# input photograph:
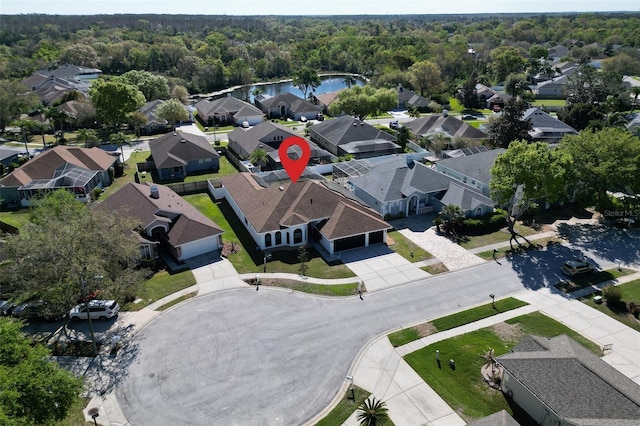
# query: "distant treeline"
{"type": "Point", "coordinates": [206, 53]}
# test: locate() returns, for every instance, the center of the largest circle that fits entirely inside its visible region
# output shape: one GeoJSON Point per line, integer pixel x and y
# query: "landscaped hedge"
{"type": "Point", "coordinates": [485, 224]}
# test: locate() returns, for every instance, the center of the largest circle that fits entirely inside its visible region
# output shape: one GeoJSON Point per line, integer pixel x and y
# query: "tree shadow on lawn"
{"type": "Point", "coordinates": [540, 268]}
{"type": "Point", "coordinates": [607, 242]}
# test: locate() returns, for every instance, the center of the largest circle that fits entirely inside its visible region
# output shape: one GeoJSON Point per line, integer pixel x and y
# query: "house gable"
{"type": "Point", "coordinates": [573, 383]}
{"type": "Point", "coordinates": [178, 148]}
{"type": "Point", "coordinates": [181, 221]}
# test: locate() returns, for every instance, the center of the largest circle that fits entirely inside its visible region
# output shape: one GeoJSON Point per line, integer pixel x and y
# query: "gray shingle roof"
{"type": "Point", "coordinates": [545, 122]}
{"type": "Point", "coordinates": [227, 105]}
{"type": "Point", "coordinates": [294, 103]}
{"type": "Point", "coordinates": [477, 166]}
{"type": "Point", "coordinates": [448, 125]}
{"type": "Point", "coordinates": [346, 129]}
{"type": "Point", "coordinates": [178, 148]}
{"type": "Point", "coordinates": [465, 197]}
{"type": "Point", "coordinates": [574, 383]}
{"type": "Point", "coordinates": [395, 184]}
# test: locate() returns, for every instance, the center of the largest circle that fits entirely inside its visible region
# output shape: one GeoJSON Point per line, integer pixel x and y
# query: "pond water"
{"type": "Point", "coordinates": [328, 84]}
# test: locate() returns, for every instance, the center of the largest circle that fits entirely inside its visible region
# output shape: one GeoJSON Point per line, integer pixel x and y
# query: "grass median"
{"type": "Point", "coordinates": [407, 335]}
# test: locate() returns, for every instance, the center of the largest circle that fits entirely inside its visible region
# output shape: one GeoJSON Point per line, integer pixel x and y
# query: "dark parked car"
{"type": "Point", "coordinates": [6, 308]}
{"type": "Point", "coordinates": [29, 310]}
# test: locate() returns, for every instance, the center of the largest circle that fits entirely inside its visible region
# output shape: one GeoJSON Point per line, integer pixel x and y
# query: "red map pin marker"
{"type": "Point", "coordinates": [294, 168]}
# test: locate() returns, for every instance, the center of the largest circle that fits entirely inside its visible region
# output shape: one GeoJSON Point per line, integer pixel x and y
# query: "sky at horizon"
{"type": "Point", "coordinates": [326, 7]}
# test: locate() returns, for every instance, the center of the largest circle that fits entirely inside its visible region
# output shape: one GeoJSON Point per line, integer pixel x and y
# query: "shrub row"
{"type": "Point", "coordinates": [485, 224]}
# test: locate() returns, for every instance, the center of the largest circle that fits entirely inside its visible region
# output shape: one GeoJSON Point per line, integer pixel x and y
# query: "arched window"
{"type": "Point", "coordinates": [267, 240]}
{"type": "Point", "coordinates": [297, 236]}
{"type": "Point", "coordinates": [278, 238]}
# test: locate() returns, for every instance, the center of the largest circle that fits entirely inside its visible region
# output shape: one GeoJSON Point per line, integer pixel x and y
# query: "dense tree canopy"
{"type": "Point", "coordinates": [14, 99]}
{"type": "Point", "coordinates": [526, 173]}
{"type": "Point", "coordinates": [306, 79]}
{"type": "Point", "coordinates": [34, 389]}
{"type": "Point", "coordinates": [113, 100]}
{"type": "Point", "coordinates": [425, 76]}
{"type": "Point", "coordinates": [65, 243]}
{"type": "Point", "coordinates": [607, 160]}
{"type": "Point", "coordinates": [173, 111]}
{"type": "Point", "coordinates": [152, 86]}
{"type": "Point", "coordinates": [509, 125]}
{"type": "Point", "coordinates": [362, 101]}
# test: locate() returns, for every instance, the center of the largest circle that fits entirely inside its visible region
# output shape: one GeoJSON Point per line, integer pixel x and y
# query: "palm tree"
{"type": "Point", "coordinates": [636, 92]}
{"type": "Point", "coordinates": [349, 81]}
{"type": "Point", "coordinates": [451, 217]}
{"type": "Point", "coordinates": [87, 136]}
{"type": "Point", "coordinates": [259, 157]}
{"type": "Point", "coordinates": [413, 112]}
{"type": "Point", "coordinates": [372, 412]}
{"type": "Point", "coordinates": [436, 142]}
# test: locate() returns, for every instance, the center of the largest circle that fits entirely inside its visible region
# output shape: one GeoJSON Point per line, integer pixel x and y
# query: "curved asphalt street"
{"type": "Point", "coordinates": [275, 357]}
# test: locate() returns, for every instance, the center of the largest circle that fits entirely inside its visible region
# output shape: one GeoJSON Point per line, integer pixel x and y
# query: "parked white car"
{"type": "Point", "coordinates": [99, 309]}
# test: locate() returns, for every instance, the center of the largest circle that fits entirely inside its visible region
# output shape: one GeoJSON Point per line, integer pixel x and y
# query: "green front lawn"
{"type": "Point", "coordinates": [549, 103]}
{"type": "Point", "coordinates": [541, 325]}
{"type": "Point", "coordinates": [407, 248]}
{"type": "Point", "coordinates": [463, 388]}
{"type": "Point", "coordinates": [630, 293]}
{"type": "Point", "coordinates": [499, 236]}
{"type": "Point", "coordinates": [160, 285]}
{"type": "Point", "coordinates": [507, 252]}
{"type": "Point", "coordinates": [248, 259]}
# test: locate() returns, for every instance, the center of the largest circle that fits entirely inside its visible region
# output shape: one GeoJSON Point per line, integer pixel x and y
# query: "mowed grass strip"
{"type": "Point", "coordinates": [502, 235]}
{"type": "Point", "coordinates": [407, 335]}
{"type": "Point", "coordinates": [350, 289]}
{"type": "Point", "coordinates": [345, 407]}
{"type": "Point", "coordinates": [477, 313]}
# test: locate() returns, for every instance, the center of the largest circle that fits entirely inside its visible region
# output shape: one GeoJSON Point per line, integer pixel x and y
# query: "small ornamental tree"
{"type": "Point", "coordinates": [303, 258]}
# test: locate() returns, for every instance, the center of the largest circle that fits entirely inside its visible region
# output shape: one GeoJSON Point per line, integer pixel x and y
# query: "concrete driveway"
{"type": "Point", "coordinates": [379, 267]}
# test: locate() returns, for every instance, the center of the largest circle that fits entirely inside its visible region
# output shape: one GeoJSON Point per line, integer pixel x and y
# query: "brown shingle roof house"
{"type": "Point", "coordinates": [294, 214]}
{"type": "Point", "coordinates": [167, 221]}
{"type": "Point", "coordinates": [46, 169]}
